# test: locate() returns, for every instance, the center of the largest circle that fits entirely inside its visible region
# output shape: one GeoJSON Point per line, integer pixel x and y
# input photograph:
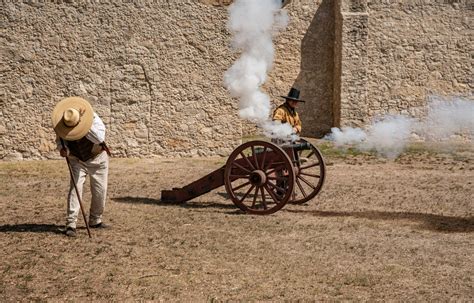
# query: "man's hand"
{"type": "Point", "coordinates": [64, 152]}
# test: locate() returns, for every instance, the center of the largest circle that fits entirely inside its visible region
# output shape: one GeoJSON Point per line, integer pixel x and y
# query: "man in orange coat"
{"type": "Point", "coordinates": [286, 113]}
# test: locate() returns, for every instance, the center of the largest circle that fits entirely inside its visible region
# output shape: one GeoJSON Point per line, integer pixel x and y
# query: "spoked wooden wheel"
{"type": "Point", "coordinates": [259, 177]}
{"type": "Point", "coordinates": [310, 174]}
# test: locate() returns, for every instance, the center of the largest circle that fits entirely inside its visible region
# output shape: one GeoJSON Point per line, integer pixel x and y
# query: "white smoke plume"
{"type": "Point", "coordinates": [447, 117]}
{"type": "Point", "coordinates": [390, 135]}
{"type": "Point", "coordinates": [253, 23]}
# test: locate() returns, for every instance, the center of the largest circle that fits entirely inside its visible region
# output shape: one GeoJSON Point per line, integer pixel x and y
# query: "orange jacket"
{"type": "Point", "coordinates": [286, 114]}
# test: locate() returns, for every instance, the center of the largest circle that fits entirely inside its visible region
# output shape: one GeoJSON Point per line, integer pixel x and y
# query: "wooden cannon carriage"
{"type": "Point", "coordinates": [261, 177]}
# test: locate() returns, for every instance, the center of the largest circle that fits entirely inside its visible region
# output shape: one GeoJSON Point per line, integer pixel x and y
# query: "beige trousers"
{"type": "Point", "coordinates": [97, 168]}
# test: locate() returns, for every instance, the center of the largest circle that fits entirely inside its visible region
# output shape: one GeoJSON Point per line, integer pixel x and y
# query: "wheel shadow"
{"type": "Point", "coordinates": [31, 227]}
{"type": "Point", "coordinates": [438, 223]}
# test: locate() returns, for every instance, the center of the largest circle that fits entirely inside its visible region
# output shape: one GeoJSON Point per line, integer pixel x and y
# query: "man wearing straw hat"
{"type": "Point", "coordinates": [80, 138]}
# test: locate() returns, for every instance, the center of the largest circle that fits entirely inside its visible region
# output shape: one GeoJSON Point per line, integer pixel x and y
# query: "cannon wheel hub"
{"type": "Point", "coordinates": [258, 177]}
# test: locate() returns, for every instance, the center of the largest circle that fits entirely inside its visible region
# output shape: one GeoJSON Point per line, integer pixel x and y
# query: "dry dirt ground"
{"type": "Point", "coordinates": [397, 230]}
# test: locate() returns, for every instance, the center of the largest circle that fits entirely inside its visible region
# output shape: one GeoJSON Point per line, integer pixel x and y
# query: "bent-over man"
{"type": "Point", "coordinates": [81, 137]}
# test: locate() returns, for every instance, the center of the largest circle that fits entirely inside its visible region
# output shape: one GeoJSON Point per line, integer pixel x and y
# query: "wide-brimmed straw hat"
{"type": "Point", "coordinates": [294, 95]}
{"type": "Point", "coordinates": [72, 118]}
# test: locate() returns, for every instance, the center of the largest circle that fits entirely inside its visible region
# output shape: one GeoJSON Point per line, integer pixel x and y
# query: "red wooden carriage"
{"type": "Point", "coordinates": [260, 177]}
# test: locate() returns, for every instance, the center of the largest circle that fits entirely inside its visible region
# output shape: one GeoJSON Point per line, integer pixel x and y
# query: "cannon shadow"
{"type": "Point", "coordinates": [188, 204]}
{"type": "Point", "coordinates": [438, 223]}
{"type": "Point", "coordinates": [31, 227]}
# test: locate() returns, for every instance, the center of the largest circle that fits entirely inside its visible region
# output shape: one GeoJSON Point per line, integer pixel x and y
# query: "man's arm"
{"type": "Point", "coordinates": [279, 115]}
{"type": "Point", "coordinates": [59, 145]}
{"type": "Point", "coordinates": [62, 147]}
{"type": "Point", "coordinates": [298, 124]}
{"type": "Point", "coordinates": [297, 128]}
{"type": "Point", "coordinates": [97, 132]}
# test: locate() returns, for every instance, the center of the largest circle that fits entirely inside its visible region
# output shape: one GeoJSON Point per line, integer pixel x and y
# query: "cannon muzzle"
{"type": "Point", "coordinates": [298, 146]}
{"type": "Point", "coordinates": [302, 146]}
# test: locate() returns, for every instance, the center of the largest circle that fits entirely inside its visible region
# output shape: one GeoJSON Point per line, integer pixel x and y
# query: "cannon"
{"type": "Point", "coordinates": [260, 177]}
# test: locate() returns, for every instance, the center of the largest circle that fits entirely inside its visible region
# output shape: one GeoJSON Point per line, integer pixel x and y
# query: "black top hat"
{"type": "Point", "coordinates": [294, 95]}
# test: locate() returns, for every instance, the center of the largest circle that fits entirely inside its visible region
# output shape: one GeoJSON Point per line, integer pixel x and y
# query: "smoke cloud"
{"type": "Point", "coordinates": [253, 24]}
{"type": "Point", "coordinates": [446, 118]}
{"type": "Point", "coordinates": [389, 135]}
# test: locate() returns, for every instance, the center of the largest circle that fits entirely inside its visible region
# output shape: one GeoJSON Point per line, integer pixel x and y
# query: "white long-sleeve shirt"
{"type": "Point", "coordinates": [96, 134]}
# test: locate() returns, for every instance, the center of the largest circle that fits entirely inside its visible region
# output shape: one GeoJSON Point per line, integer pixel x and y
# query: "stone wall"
{"type": "Point", "coordinates": [311, 67]}
{"type": "Point", "coordinates": [395, 54]}
{"type": "Point", "coordinates": [153, 69]}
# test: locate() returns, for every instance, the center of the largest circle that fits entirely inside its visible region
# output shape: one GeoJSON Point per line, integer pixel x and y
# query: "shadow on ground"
{"type": "Point", "coordinates": [30, 227]}
{"type": "Point", "coordinates": [432, 222]}
{"type": "Point", "coordinates": [144, 200]}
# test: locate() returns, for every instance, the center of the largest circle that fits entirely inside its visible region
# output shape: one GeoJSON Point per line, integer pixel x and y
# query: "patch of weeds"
{"type": "Point", "coordinates": [100, 249]}
{"type": "Point", "coordinates": [360, 279]}
{"type": "Point", "coordinates": [106, 295]}
{"type": "Point", "coordinates": [7, 269]}
{"type": "Point", "coordinates": [328, 149]}
{"type": "Point", "coordinates": [458, 152]}
{"type": "Point", "coordinates": [393, 269]}
{"type": "Point", "coordinates": [220, 161]}
{"type": "Point", "coordinates": [89, 292]}
{"type": "Point", "coordinates": [418, 148]}
{"type": "Point", "coordinates": [128, 253]}
{"type": "Point", "coordinates": [45, 168]}
{"type": "Point", "coordinates": [23, 288]}
{"type": "Point", "coordinates": [125, 160]}
{"type": "Point", "coordinates": [337, 291]}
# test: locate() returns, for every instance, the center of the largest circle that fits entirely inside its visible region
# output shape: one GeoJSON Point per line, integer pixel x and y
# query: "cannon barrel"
{"type": "Point", "coordinates": [297, 146]}
{"type": "Point", "coordinates": [301, 146]}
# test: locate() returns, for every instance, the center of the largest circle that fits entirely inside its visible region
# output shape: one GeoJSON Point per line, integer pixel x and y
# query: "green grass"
{"type": "Point", "coordinates": [328, 149]}
{"type": "Point", "coordinates": [459, 152]}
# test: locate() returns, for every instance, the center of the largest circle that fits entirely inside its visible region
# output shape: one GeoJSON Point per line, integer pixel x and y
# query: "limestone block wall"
{"type": "Point", "coordinates": [152, 71]}
{"type": "Point", "coordinates": [394, 54]}
{"type": "Point", "coordinates": [304, 60]}
{"type": "Point", "coordinates": [350, 63]}
{"type": "Point", "coordinates": [304, 56]}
